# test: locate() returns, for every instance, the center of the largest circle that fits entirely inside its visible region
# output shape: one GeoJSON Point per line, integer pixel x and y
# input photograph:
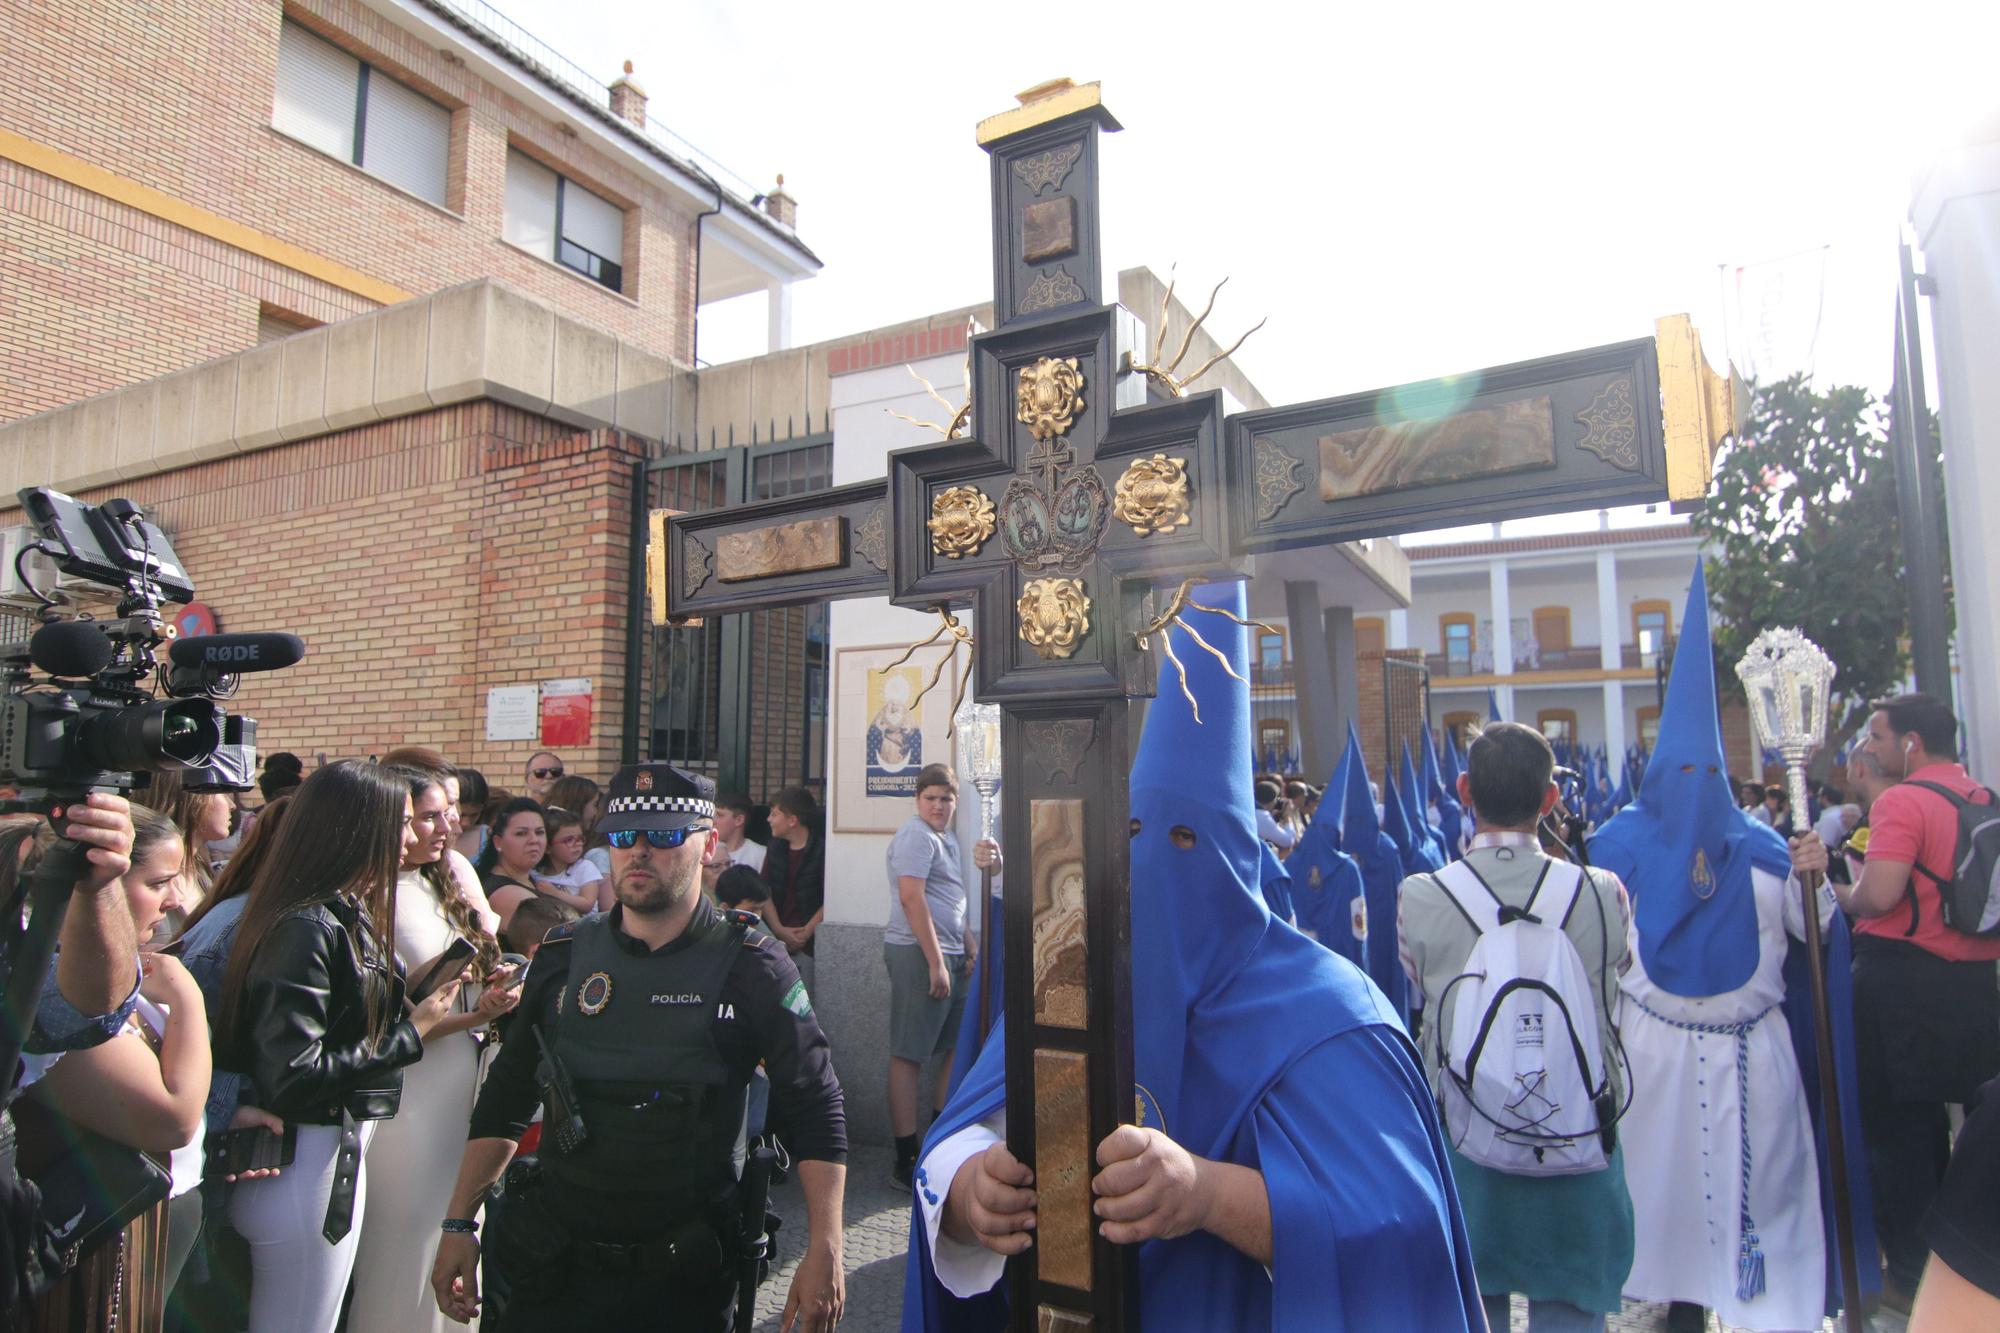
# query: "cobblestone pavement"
{"type": "Point", "coordinates": [878, 1230]}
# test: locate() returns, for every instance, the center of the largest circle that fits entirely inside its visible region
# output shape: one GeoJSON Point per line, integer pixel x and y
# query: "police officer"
{"type": "Point", "coordinates": [654, 1016]}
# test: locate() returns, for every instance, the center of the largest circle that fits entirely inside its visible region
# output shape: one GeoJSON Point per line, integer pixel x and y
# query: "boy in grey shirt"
{"type": "Point", "coordinates": [929, 949]}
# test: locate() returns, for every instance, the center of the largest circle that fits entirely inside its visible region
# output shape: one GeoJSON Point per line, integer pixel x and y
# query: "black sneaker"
{"type": "Point", "coordinates": [903, 1172]}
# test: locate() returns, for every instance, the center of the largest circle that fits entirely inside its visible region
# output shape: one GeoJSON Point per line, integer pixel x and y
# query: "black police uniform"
{"type": "Point", "coordinates": [633, 1230]}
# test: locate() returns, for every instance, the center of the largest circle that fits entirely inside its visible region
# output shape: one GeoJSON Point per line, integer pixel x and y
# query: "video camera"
{"type": "Point", "coordinates": [93, 721]}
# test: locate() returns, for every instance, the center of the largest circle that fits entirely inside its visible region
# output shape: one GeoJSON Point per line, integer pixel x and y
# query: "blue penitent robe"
{"type": "Point", "coordinates": [1252, 1045]}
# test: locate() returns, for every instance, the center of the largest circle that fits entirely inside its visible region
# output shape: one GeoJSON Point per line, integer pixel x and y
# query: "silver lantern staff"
{"type": "Point", "coordinates": [1787, 680]}
{"type": "Point", "coordinates": [978, 728]}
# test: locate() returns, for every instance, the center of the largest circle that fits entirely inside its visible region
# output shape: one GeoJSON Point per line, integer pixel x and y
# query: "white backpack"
{"type": "Point", "coordinates": [1524, 1063]}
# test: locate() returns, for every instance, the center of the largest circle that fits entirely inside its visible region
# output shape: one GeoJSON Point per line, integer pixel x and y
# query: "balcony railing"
{"type": "Point", "coordinates": [1530, 657]}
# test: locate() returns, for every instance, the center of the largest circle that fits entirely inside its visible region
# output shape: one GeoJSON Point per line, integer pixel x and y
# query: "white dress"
{"type": "Point", "coordinates": [1683, 1146]}
{"type": "Point", "coordinates": [413, 1160]}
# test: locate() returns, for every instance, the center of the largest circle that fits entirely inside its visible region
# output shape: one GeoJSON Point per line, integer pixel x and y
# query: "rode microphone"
{"type": "Point", "coordinates": [203, 660]}
{"type": "Point", "coordinates": [70, 649]}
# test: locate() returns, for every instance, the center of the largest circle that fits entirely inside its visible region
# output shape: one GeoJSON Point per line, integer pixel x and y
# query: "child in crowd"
{"type": "Point", "coordinates": [740, 886]}
{"type": "Point", "coordinates": [565, 867]}
{"type": "Point", "coordinates": [533, 920]}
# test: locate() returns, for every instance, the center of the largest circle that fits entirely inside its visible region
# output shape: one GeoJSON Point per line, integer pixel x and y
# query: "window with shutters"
{"type": "Point", "coordinates": [1455, 629]}
{"type": "Point", "coordinates": [1649, 727]}
{"type": "Point", "coordinates": [551, 216]}
{"type": "Point", "coordinates": [1558, 725]}
{"type": "Point", "coordinates": [1462, 726]}
{"type": "Point", "coordinates": [351, 110]}
{"type": "Point", "coordinates": [1552, 628]}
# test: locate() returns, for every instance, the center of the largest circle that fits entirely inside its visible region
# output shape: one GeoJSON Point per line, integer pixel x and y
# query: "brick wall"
{"type": "Point", "coordinates": [95, 295]}
{"type": "Point", "coordinates": [424, 561]}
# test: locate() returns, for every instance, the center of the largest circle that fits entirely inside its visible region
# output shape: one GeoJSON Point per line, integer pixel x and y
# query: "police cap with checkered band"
{"type": "Point", "coordinates": [656, 796]}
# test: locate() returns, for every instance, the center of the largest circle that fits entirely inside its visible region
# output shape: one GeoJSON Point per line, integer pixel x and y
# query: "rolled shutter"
{"type": "Point", "coordinates": [317, 86]}
{"type": "Point", "coordinates": [530, 220]}
{"type": "Point", "coordinates": [408, 138]}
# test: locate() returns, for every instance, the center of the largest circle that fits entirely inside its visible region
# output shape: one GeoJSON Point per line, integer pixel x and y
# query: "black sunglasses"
{"type": "Point", "coordinates": [666, 839]}
{"type": "Point", "coordinates": [548, 772]}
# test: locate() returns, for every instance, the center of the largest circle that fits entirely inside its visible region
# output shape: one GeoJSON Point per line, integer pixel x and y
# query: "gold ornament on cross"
{"type": "Point", "coordinates": [1055, 615]}
{"type": "Point", "coordinates": [1152, 495]}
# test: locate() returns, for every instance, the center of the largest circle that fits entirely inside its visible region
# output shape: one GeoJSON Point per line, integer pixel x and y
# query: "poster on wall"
{"type": "Point", "coordinates": [566, 712]}
{"type": "Point", "coordinates": [884, 734]}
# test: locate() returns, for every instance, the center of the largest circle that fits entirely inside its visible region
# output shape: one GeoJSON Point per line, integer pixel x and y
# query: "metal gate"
{"type": "Point", "coordinates": [1406, 710]}
{"type": "Point", "coordinates": [742, 698]}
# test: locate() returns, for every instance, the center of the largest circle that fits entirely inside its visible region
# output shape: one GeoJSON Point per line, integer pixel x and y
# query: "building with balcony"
{"type": "Point", "coordinates": [1571, 632]}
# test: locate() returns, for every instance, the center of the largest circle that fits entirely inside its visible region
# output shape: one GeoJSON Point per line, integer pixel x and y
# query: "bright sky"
{"type": "Point", "coordinates": [1406, 190]}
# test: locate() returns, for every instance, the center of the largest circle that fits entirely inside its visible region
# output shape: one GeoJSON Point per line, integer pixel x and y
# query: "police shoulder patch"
{"type": "Point", "coordinates": [797, 1001]}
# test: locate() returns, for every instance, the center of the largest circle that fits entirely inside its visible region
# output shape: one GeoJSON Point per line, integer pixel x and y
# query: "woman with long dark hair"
{"type": "Point", "coordinates": [507, 866]}
{"type": "Point", "coordinates": [412, 1161]}
{"type": "Point", "coordinates": [313, 1011]}
{"type": "Point", "coordinates": [425, 759]}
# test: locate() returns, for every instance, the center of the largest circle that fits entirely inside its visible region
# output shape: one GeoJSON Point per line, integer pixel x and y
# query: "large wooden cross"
{"type": "Point", "coordinates": [1077, 496]}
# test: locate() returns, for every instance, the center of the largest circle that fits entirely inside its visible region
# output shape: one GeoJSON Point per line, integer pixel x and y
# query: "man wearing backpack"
{"type": "Point", "coordinates": [1927, 1008]}
{"type": "Point", "coordinates": [1527, 1109]}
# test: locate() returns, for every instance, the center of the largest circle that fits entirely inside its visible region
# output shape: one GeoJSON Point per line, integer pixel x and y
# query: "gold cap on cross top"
{"type": "Point", "coordinates": [1051, 100]}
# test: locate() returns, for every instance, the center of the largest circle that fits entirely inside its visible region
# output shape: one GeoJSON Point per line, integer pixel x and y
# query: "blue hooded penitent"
{"type": "Point", "coordinates": [1451, 817]}
{"type": "Point", "coordinates": [1493, 705]}
{"type": "Point", "coordinates": [1255, 1046]}
{"type": "Point", "coordinates": [1416, 804]}
{"type": "Point", "coordinates": [1381, 864]}
{"type": "Point", "coordinates": [1683, 848]}
{"type": "Point", "coordinates": [1326, 881]}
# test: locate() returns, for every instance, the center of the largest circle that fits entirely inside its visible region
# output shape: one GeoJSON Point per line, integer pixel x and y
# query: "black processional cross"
{"type": "Point", "coordinates": [1088, 487]}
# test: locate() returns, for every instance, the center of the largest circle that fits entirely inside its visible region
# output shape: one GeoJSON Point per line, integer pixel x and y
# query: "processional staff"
{"type": "Point", "coordinates": [1787, 680]}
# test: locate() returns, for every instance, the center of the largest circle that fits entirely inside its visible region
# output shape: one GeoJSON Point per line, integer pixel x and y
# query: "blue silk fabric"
{"type": "Point", "coordinates": [1683, 848]}
{"type": "Point", "coordinates": [1256, 1046]}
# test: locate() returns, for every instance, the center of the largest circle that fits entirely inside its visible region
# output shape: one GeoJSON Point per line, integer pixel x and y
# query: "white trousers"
{"type": "Point", "coordinates": [298, 1280]}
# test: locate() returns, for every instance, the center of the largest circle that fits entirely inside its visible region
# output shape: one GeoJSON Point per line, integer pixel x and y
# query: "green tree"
{"type": "Point", "coordinates": [1802, 530]}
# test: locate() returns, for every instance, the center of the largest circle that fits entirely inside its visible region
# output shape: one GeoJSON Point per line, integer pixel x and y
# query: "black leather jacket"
{"type": "Point", "coordinates": [305, 1031]}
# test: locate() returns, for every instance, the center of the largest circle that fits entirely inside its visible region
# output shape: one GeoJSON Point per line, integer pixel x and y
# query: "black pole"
{"type": "Point", "coordinates": [1829, 1100]}
{"type": "Point", "coordinates": [1918, 511]}
{"type": "Point", "coordinates": [638, 613]}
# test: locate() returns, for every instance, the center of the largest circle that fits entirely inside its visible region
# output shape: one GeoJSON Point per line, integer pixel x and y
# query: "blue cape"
{"type": "Point", "coordinates": [1275, 882]}
{"type": "Point", "coordinates": [993, 966]}
{"type": "Point", "coordinates": [1326, 881]}
{"type": "Point", "coordinates": [1416, 804]}
{"type": "Point", "coordinates": [1366, 1227]}
{"type": "Point", "coordinates": [1451, 818]}
{"type": "Point", "coordinates": [1683, 848]}
{"type": "Point", "coordinates": [1381, 865]}
{"type": "Point", "coordinates": [1800, 1017]}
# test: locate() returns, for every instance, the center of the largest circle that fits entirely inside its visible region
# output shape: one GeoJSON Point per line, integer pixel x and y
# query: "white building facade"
{"type": "Point", "coordinates": [1569, 631]}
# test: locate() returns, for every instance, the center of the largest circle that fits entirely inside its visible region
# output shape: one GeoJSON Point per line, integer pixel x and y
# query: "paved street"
{"type": "Point", "coordinates": [878, 1229]}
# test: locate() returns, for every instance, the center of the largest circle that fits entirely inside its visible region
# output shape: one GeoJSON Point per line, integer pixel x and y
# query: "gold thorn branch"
{"type": "Point", "coordinates": [1166, 373]}
{"type": "Point", "coordinates": [949, 624]}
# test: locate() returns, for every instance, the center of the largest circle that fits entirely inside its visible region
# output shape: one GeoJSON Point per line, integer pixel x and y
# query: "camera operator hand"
{"type": "Point", "coordinates": [103, 824]}
{"type": "Point", "coordinates": [95, 968]}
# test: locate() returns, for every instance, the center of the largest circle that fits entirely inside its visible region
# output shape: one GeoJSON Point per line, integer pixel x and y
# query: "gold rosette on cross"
{"type": "Point", "coordinates": [1152, 495]}
{"type": "Point", "coordinates": [1055, 615]}
{"type": "Point", "coordinates": [961, 521]}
